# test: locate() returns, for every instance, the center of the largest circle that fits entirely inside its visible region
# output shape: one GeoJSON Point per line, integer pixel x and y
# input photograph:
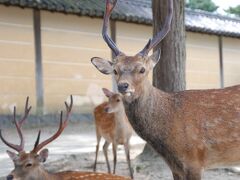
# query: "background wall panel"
{"type": "Point", "coordinates": [131, 38]}
{"type": "Point", "coordinates": [231, 61]}
{"type": "Point", "coordinates": [17, 77]}
{"type": "Point", "coordinates": [69, 42]}
{"type": "Point", "coordinates": [202, 63]}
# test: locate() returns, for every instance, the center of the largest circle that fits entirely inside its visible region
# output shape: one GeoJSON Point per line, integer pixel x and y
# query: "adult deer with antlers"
{"type": "Point", "coordinates": [112, 124]}
{"type": "Point", "coordinates": [28, 165]}
{"type": "Point", "coordinates": [193, 130]}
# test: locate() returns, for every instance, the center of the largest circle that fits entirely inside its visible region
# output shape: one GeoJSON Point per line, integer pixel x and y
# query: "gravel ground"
{"type": "Point", "coordinates": [75, 150]}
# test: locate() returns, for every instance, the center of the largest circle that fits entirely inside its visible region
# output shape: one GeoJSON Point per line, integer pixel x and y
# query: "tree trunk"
{"type": "Point", "coordinates": [169, 73]}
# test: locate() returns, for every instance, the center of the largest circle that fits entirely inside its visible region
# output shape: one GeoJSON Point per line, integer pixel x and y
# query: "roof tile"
{"type": "Point", "coordinates": [136, 11]}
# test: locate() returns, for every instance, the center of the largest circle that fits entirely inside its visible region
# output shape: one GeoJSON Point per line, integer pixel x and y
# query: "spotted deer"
{"type": "Point", "coordinates": [28, 166]}
{"type": "Point", "coordinates": [193, 130]}
{"type": "Point", "coordinates": [112, 124]}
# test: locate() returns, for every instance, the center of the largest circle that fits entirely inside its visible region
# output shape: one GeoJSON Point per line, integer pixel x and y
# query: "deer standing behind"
{"type": "Point", "coordinates": [112, 124]}
{"type": "Point", "coordinates": [193, 130]}
{"type": "Point", "coordinates": [28, 166]}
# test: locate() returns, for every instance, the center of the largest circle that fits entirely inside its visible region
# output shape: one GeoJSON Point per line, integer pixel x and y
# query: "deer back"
{"type": "Point", "coordinates": [71, 175]}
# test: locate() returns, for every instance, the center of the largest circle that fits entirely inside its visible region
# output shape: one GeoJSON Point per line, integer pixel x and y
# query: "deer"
{"type": "Point", "coordinates": [192, 130]}
{"type": "Point", "coordinates": [112, 124]}
{"type": "Point", "coordinates": [28, 165]}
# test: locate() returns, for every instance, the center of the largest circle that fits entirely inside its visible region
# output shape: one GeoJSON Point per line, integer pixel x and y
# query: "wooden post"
{"type": "Point", "coordinates": [38, 62]}
{"type": "Point", "coordinates": [113, 37]}
{"type": "Point", "coordinates": [220, 45]}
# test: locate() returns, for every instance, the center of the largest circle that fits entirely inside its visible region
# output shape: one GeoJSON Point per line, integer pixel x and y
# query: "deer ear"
{"type": "Point", "coordinates": [43, 155]}
{"type": "Point", "coordinates": [155, 57]}
{"type": "Point", "coordinates": [12, 155]}
{"type": "Point", "coordinates": [104, 66]}
{"type": "Point", "coordinates": [107, 92]}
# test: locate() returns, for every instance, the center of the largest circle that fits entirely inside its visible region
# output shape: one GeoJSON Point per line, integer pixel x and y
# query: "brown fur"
{"type": "Point", "coordinates": [37, 171]}
{"type": "Point", "coordinates": [28, 166]}
{"type": "Point", "coordinates": [193, 130]}
{"type": "Point", "coordinates": [90, 176]}
{"type": "Point", "coordinates": [105, 123]}
{"type": "Point", "coordinates": [114, 127]}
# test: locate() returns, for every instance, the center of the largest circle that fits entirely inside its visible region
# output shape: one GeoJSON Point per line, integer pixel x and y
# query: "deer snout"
{"type": "Point", "coordinates": [109, 109]}
{"type": "Point", "coordinates": [106, 109]}
{"type": "Point", "coordinates": [122, 87]}
{"type": "Point", "coordinates": [10, 177]}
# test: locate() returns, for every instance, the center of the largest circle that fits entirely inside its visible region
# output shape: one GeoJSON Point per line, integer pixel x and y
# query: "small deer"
{"type": "Point", "coordinates": [193, 130]}
{"type": "Point", "coordinates": [28, 165]}
{"type": "Point", "coordinates": [112, 124]}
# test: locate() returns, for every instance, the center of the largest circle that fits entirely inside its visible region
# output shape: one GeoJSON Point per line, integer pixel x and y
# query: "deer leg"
{"type": "Point", "coordinates": [105, 151]}
{"type": "Point", "coordinates": [187, 174]}
{"type": "Point", "coordinates": [114, 145]}
{"type": "Point", "coordinates": [192, 174]}
{"type": "Point", "coordinates": [126, 148]}
{"type": "Point", "coordinates": [97, 148]}
{"type": "Point", "coordinates": [176, 176]}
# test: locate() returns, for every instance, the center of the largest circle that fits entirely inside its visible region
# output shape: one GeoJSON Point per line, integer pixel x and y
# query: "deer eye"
{"type": "Point", "coordinates": [115, 72]}
{"type": "Point", "coordinates": [118, 100]}
{"type": "Point", "coordinates": [142, 70]}
{"type": "Point", "coordinates": [28, 165]}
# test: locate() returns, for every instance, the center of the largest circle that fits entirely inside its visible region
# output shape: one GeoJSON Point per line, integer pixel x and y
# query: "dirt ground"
{"type": "Point", "coordinates": [75, 150]}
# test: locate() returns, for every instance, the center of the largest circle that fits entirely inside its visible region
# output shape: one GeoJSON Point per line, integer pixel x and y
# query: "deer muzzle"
{"type": "Point", "coordinates": [10, 177]}
{"type": "Point", "coordinates": [123, 87]}
{"type": "Point", "coordinates": [106, 109]}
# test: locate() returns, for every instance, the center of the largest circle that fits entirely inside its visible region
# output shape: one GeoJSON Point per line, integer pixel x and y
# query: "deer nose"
{"type": "Point", "coordinates": [106, 109]}
{"type": "Point", "coordinates": [123, 87]}
{"type": "Point", "coordinates": [10, 177]}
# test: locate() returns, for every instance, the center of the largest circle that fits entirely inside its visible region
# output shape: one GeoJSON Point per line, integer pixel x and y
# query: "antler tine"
{"type": "Point", "coordinates": [38, 139]}
{"type": "Point", "coordinates": [161, 34]}
{"type": "Point", "coordinates": [62, 126]}
{"type": "Point", "coordinates": [20, 147]}
{"type": "Point", "coordinates": [26, 113]}
{"type": "Point", "coordinates": [109, 8]}
{"type": "Point", "coordinates": [13, 146]}
{"type": "Point", "coordinates": [19, 123]}
{"type": "Point", "coordinates": [38, 146]}
{"type": "Point", "coordinates": [69, 108]}
{"type": "Point", "coordinates": [18, 126]}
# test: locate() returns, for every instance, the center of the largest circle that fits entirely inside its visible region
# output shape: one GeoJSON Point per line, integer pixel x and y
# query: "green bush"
{"type": "Point", "coordinates": [234, 10]}
{"type": "Point", "coordinates": [206, 5]}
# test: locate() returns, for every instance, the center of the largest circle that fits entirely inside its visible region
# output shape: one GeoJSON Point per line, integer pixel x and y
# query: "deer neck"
{"type": "Point", "coordinates": [149, 112]}
{"type": "Point", "coordinates": [120, 118]}
{"type": "Point", "coordinates": [41, 174]}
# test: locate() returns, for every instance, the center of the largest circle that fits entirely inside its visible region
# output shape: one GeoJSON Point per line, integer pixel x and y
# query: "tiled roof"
{"type": "Point", "coordinates": [136, 11]}
{"type": "Point", "coordinates": [205, 22]}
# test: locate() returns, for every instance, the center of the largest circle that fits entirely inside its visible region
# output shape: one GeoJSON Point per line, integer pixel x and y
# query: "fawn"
{"type": "Point", "coordinates": [112, 124]}
{"type": "Point", "coordinates": [28, 165]}
{"type": "Point", "coordinates": [193, 130]}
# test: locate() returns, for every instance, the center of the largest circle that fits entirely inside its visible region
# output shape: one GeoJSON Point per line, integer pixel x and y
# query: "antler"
{"type": "Point", "coordinates": [18, 124]}
{"type": "Point", "coordinates": [26, 113]}
{"type": "Point", "coordinates": [109, 8]}
{"type": "Point", "coordinates": [161, 34]}
{"type": "Point", "coordinates": [62, 126]}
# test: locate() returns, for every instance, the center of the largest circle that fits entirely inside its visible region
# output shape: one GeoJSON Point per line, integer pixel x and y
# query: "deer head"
{"type": "Point", "coordinates": [131, 72]}
{"type": "Point", "coordinates": [27, 166]}
{"type": "Point", "coordinates": [114, 101]}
